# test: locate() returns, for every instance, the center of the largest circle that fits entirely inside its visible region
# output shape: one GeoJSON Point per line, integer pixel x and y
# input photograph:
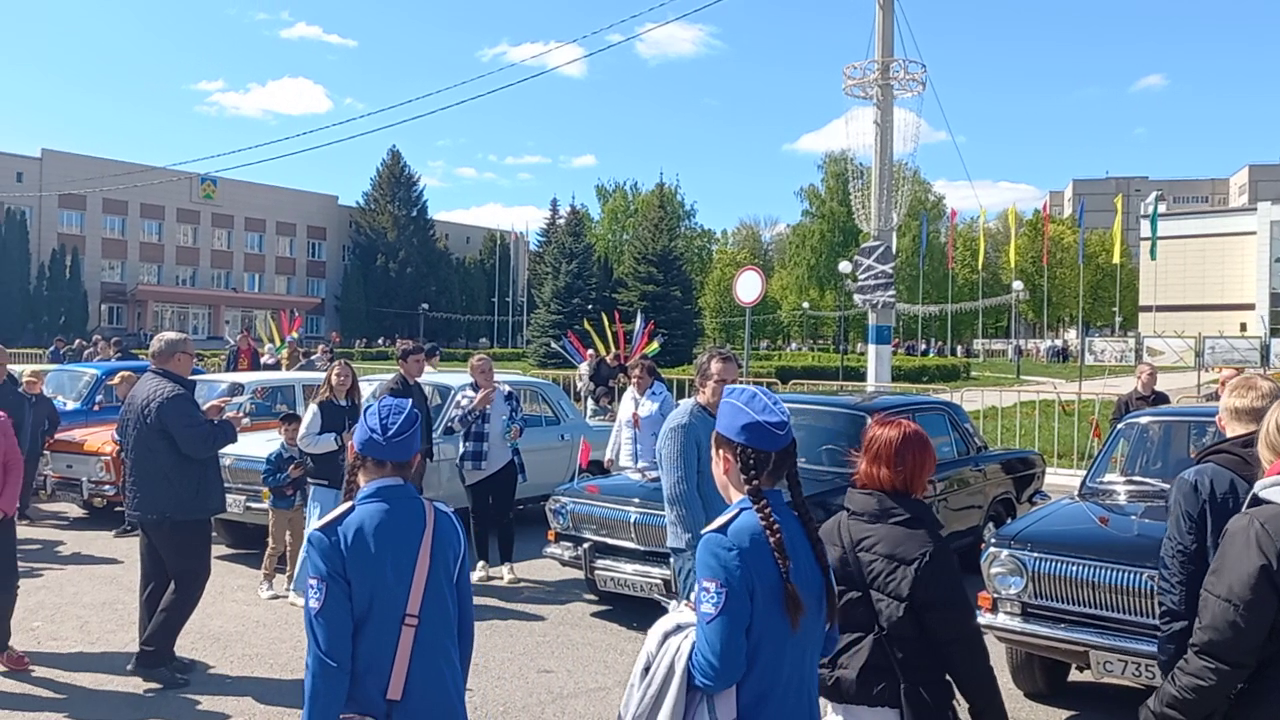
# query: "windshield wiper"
{"type": "Point", "coordinates": [1131, 480]}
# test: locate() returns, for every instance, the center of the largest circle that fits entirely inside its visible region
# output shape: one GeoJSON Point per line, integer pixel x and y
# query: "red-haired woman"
{"type": "Point", "coordinates": [10, 486]}
{"type": "Point", "coordinates": [906, 621]}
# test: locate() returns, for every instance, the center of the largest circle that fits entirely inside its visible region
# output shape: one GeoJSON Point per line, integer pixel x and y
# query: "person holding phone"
{"type": "Point", "coordinates": [285, 476]}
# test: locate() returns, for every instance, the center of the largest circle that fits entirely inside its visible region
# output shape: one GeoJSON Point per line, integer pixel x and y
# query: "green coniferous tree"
{"type": "Point", "coordinates": [55, 290]}
{"type": "Point", "coordinates": [15, 278]}
{"type": "Point", "coordinates": [566, 284]}
{"type": "Point", "coordinates": [39, 326]}
{"type": "Point", "coordinates": [353, 303]}
{"type": "Point", "coordinates": [75, 314]}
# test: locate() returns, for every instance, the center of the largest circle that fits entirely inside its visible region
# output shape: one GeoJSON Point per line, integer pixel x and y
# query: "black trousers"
{"type": "Point", "coordinates": [493, 502]}
{"type": "Point", "coordinates": [29, 468]}
{"type": "Point", "coordinates": [176, 558]}
{"type": "Point", "coordinates": [8, 578]}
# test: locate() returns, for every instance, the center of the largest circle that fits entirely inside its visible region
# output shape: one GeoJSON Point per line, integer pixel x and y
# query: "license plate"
{"type": "Point", "coordinates": [235, 503]}
{"type": "Point", "coordinates": [609, 582]}
{"type": "Point", "coordinates": [1137, 670]}
{"type": "Point", "coordinates": [64, 496]}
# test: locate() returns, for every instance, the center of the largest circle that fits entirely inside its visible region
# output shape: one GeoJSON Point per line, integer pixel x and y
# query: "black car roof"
{"type": "Point", "coordinates": [870, 403]}
{"type": "Point", "coordinates": [1196, 410]}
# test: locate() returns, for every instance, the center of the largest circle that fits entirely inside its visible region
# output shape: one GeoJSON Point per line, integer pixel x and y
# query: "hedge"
{"type": "Point", "coordinates": [449, 355]}
{"type": "Point", "coordinates": [909, 370]}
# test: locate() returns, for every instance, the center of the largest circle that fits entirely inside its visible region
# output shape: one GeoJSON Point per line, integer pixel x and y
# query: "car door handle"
{"type": "Point", "coordinates": [565, 437]}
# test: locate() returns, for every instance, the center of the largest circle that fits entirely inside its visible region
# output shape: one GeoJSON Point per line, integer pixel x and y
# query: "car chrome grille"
{"type": "Point", "coordinates": [1083, 586]}
{"type": "Point", "coordinates": [644, 529]}
{"type": "Point", "coordinates": [69, 465]}
{"type": "Point", "coordinates": [241, 472]}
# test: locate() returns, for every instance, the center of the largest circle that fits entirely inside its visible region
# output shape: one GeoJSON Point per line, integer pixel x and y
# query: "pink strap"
{"type": "Point", "coordinates": [409, 625]}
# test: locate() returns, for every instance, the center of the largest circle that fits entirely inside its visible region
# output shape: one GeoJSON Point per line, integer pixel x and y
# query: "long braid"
{"type": "Point", "coordinates": [803, 512]}
{"type": "Point", "coordinates": [751, 476]}
{"type": "Point", "coordinates": [349, 483]}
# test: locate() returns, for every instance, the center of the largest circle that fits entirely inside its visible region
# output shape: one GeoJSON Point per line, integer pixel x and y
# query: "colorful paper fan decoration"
{"type": "Point", "coordinates": [616, 334]}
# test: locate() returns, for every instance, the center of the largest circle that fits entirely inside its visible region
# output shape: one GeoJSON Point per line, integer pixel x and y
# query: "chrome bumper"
{"type": "Point", "coordinates": [98, 493]}
{"type": "Point", "coordinates": [1071, 643]}
{"type": "Point", "coordinates": [583, 557]}
{"type": "Point", "coordinates": [255, 513]}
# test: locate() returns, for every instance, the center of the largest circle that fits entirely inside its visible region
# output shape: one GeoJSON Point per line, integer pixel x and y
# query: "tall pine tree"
{"type": "Point", "coordinates": [652, 275]}
{"type": "Point", "coordinates": [15, 278]}
{"type": "Point", "coordinates": [75, 314]}
{"type": "Point", "coordinates": [565, 285]}
{"type": "Point", "coordinates": [55, 290]}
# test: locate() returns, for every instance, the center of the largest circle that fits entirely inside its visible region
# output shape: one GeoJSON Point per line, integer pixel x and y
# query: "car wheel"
{"type": "Point", "coordinates": [240, 536]}
{"type": "Point", "coordinates": [1036, 675]}
{"type": "Point", "coordinates": [997, 517]}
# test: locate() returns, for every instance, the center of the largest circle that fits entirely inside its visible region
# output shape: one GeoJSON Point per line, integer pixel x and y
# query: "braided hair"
{"type": "Point", "coordinates": [357, 463]}
{"type": "Point", "coordinates": [761, 471]}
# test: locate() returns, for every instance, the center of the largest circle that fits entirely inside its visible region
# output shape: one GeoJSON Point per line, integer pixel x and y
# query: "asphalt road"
{"type": "Point", "coordinates": [544, 648]}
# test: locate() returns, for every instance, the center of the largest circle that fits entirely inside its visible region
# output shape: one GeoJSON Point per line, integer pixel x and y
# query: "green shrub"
{"type": "Point", "coordinates": [914, 371]}
{"type": "Point", "coordinates": [448, 355]}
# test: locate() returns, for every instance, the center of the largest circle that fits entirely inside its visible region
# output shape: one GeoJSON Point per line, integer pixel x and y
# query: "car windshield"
{"type": "Point", "coordinates": [825, 436]}
{"type": "Point", "coordinates": [69, 385]}
{"type": "Point", "coordinates": [210, 390]}
{"type": "Point", "coordinates": [1151, 452]}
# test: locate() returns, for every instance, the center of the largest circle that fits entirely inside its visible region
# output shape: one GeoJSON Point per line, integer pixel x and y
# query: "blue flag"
{"type": "Point", "coordinates": [1080, 224]}
{"type": "Point", "coordinates": [924, 236]}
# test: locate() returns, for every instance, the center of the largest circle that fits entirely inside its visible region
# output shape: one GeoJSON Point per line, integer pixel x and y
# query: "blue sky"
{"type": "Point", "coordinates": [733, 101]}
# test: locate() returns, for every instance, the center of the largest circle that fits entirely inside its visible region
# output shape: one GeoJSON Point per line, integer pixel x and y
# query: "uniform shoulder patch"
{"type": "Point", "coordinates": [315, 593]}
{"type": "Point", "coordinates": [725, 518]}
{"type": "Point", "coordinates": [710, 598]}
{"type": "Point", "coordinates": [335, 513]}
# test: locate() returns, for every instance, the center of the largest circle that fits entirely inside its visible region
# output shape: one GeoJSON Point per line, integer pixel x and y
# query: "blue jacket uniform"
{"type": "Point", "coordinates": [744, 636]}
{"type": "Point", "coordinates": [361, 560]}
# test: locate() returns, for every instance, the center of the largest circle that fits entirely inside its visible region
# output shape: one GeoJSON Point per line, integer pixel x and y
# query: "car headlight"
{"type": "Point", "coordinates": [558, 514]}
{"type": "Point", "coordinates": [1004, 573]}
{"type": "Point", "coordinates": [46, 461]}
{"type": "Point", "coordinates": [102, 469]}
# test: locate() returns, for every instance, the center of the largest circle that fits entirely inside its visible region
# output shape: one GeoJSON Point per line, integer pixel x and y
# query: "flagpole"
{"type": "Point", "coordinates": [511, 285]}
{"type": "Point", "coordinates": [950, 278]}
{"type": "Point", "coordinates": [951, 272]}
{"type": "Point", "coordinates": [1044, 220]}
{"type": "Point", "coordinates": [924, 239]}
{"type": "Point", "coordinates": [497, 263]}
{"type": "Point", "coordinates": [1117, 317]}
{"type": "Point", "coordinates": [1080, 332]}
{"type": "Point", "coordinates": [524, 300]}
{"type": "Point", "coordinates": [1155, 295]}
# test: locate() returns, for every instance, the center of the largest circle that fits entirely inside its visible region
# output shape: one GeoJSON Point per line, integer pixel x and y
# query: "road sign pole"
{"type": "Point", "coordinates": [748, 289]}
{"type": "Point", "coordinates": [746, 347]}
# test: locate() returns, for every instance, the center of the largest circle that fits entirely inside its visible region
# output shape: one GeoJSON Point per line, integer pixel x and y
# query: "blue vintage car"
{"type": "Point", "coordinates": [1073, 585]}
{"type": "Point", "coordinates": [613, 528]}
{"type": "Point", "coordinates": [82, 395]}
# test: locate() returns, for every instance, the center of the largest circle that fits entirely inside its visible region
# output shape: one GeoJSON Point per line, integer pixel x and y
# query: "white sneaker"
{"type": "Point", "coordinates": [267, 590]}
{"type": "Point", "coordinates": [509, 575]}
{"type": "Point", "coordinates": [296, 600]}
{"type": "Point", "coordinates": [481, 573]}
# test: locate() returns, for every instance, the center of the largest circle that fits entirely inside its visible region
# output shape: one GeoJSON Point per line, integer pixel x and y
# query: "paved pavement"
{"type": "Point", "coordinates": [544, 649]}
{"type": "Point", "coordinates": [1176, 384]}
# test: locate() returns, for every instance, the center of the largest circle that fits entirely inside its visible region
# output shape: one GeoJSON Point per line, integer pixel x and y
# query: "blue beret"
{"type": "Point", "coordinates": [389, 430]}
{"type": "Point", "coordinates": [752, 416]}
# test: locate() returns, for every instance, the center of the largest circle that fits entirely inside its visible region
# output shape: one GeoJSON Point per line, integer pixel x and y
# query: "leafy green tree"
{"type": "Point", "coordinates": [653, 273]}
{"type": "Point", "coordinates": [723, 320]}
{"type": "Point", "coordinates": [565, 286]}
{"type": "Point", "coordinates": [75, 313]}
{"type": "Point", "coordinates": [15, 278]}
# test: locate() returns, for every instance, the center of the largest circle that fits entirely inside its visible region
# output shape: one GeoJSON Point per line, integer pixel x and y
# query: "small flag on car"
{"type": "Point", "coordinates": [584, 454]}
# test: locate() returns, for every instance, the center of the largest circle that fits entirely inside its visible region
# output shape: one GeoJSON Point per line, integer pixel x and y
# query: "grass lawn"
{"type": "Point", "coordinates": [1057, 371]}
{"type": "Point", "coordinates": [1059, 430]}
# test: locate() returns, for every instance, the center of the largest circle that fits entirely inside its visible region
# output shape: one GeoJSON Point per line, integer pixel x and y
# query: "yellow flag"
{"type": "Point", "coordinates": [982, 237]}
{"type": "Point", "coordinates": [1117, 234]}
{"type": "Point", "coordinates": [1013, 237]}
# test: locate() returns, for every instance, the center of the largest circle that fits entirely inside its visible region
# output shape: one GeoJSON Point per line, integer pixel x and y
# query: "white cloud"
{"type": "Point", "coordinates": [522, 159]}
{"type": "Point", "coordinates": [284, 96]}
{"type": "Point", "coordinates": [856, 130]}
{"type": "Point", "coordinates": [435, 163]}
{"type": "Point", "coordinates": [678, 40]}
{"type": "Point", "coordinates": [433, 182]}
{"type": "Point", "coordinates": [283, 15]}
{"type": "Point", "coordinates": [523, 176]}
{"type": "Point", "coordinates": [496, 215]}
{"type": "Point", "coordinates": [1154, 81]}
{"type": "Point", "coordinates": [209, 85]}
{"type": "Point", "coordinates": [466, 172]}
{"type": "Point", "coordinates": [306, 31]}
{"type": "Point", "coordinates": [353, 103]}
{"type": "Point", "coordinates": [552, 58]}
{"type": "Point", "coordinates": [580, 161]}
{"type": "Point", "coordinates": [992, 194]}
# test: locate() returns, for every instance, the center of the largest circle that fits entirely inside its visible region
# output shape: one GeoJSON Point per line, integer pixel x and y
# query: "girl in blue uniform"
{"type": "Point", "coordinates": [764, 597]}
{"type": "Point", "coordinates": [390, 622]}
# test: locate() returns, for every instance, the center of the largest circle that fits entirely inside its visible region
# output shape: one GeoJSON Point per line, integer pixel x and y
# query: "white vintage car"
{"type": "Point", "coordinates": [554, 430]}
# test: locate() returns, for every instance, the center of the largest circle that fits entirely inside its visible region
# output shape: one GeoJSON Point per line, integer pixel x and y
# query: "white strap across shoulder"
{"type": "Point", "coordinates": [409, 625]}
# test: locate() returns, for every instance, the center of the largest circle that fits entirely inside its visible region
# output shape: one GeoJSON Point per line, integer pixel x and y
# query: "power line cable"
{"type": "Point", "coordinates": [933, 87]}
{"type": "Point", "coordinates": [387, 108]}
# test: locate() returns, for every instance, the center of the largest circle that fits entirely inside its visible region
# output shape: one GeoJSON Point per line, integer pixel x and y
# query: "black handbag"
{"type": "Point", "coordinates": [916, 704]}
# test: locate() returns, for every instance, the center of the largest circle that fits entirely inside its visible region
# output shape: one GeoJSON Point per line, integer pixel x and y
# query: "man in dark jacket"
{"type": "Point", "coordinates": [12, 402]}
{"type": "Point", "coordinates": [412, 359]}
{"type": "Point", "coordinates": [169, 446]}
{"type": "Point", "coordinates": [1232, 665]}
{"type": "Point", "coordinates": [243, 356]}
{"type": "Point", "coordinates": [42, 424]}
{"type": "Point", "coordinates": [1143, 395]}
{"type": "Point", "coordinates": [1201, 502]}
{"type": "Point", "coordinates": [120, 353]}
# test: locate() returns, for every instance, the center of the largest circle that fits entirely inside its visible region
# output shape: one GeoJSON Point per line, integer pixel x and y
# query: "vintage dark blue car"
{"type": "Point", "coordinates": [1074, 583]}
{"type": "Point", "coordinates": [82, 395]}
{"type": "Point", "coordinates": [612, 528]}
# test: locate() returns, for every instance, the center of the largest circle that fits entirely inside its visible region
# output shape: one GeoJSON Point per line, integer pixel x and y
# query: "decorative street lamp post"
{"type": "Point", "coordinates": [1017, 351]}
{"type": "Point", "coordinates": [844, 267]}
{"type": "Point", "coordinates": [805, 337]}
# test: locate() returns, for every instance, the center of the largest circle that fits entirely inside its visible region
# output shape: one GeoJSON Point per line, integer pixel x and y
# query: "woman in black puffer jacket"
{"type": "Point", "coordinates": [894, 570]}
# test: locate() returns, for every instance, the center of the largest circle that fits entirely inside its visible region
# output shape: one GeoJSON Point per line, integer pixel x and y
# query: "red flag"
{"type": "Point", "coordinates": [1044, 214]}
{"type": "Point", "coordinates": [951, 241]}
{"type": "Point", "coordinates": [584, 453]}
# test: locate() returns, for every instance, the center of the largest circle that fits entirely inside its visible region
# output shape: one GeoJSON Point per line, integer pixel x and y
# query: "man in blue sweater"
{"type": "Point", "coordinates": [684, 463]}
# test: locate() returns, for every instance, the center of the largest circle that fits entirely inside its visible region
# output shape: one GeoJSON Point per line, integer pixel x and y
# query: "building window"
{"type": "Point", "coordinates": [221, 239]}
{"type": "Point", "coordinates": [19, 176]}
{"type": "Point", "coordinates": [346, 254]}
{"type": "Point", "coordinates": [285, 284]}
{"type": "Point", "coordinates": [315, 250]}
{"type": "Point", "coordinates": [23, 211]}
{"type": "Point", "coordinates": [149, 274]}
{"type": "Point", "coordinates": [313, 325]}
{"type": "Point", "coordinates": [190, 319]}
{"type": "Point", "coordinates": [315, 287]}
{"type": "Point", "coordinates": [188, 235]}
{"type": "Point", "coordinates": [152, 231]}
{"type": "Point", "coordinates": [284, 246]}
{"type": "Point", "coordinates": [113, 271]}
{"type": "Point", "coordinates": [220, 279]}
{"type": "Point", "coordinates": [111, 315]}
{"type": "Point", "coordinates": [253, 242]}
{"type": "Point", "coordinates": [253, 282]}
{"type": "Point", "coordinates": [186, 277]}
{"type": "Point", "coordinates": [113, 226]}
{"type": "Point", "coordinates": [71, 222]}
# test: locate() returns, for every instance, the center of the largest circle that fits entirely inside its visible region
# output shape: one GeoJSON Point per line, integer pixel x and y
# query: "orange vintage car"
{"type": "Point", "coordinates": [82, 466]}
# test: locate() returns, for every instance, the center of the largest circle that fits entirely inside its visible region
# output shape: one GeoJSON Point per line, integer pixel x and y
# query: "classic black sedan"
{"type": "Point", "coordinates": [1074, 583]}
{"type": "Point", "coordinates": [613, 528]}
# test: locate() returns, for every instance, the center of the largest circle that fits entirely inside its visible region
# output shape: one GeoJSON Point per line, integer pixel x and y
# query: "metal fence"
{"type": "Point", "coordinates": [27, 357]}
{"type": "Point", "coordinates": [1065, 426]}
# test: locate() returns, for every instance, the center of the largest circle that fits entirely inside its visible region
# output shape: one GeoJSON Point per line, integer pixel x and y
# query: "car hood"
{"type": "Point", "coordinates": [92, 439]}
{"type": "Point", "coordinates": [1125, 532]}
{"type": "Point", "coordinates": [624, 488]}
{"type": "Point", "coordinates": [253, 445]}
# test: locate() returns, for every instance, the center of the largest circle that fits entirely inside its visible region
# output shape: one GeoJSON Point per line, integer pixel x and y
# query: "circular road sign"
{"type": "Point", "coordinates": [748, 286]}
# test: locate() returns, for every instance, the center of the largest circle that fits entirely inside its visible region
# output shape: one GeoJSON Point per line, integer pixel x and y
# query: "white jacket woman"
{"type": "Point", "coordinates": [641, 412]}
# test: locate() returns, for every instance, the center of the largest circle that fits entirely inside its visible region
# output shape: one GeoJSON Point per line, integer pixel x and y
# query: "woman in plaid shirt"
{"type": "Point", "coordinates": [489, 458]}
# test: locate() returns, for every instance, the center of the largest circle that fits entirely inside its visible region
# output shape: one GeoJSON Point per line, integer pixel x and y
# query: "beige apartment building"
{"type": "Point", "coordinates": [1251, 184]}
{"type": "Point", "coordinates": [169, 250]}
